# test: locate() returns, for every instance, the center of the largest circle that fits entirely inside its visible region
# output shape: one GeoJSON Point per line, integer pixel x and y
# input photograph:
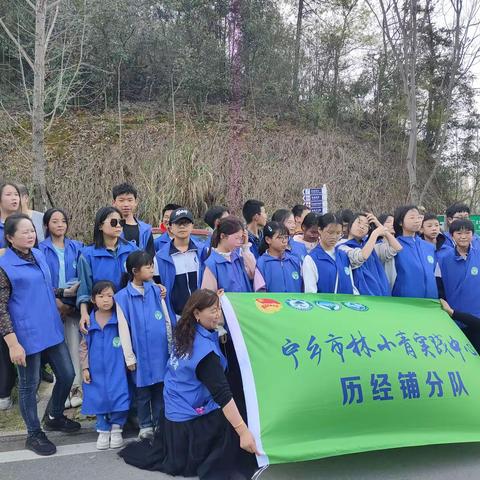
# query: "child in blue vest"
{"type": "Point", "coordinates": [166, 236]}
{"type": "Point", "coordinates": [310, 232]}
{"type": "Point", "coordinates": [431, 233]}
{"type": "Point", "coordinates": [368, 272]}
{"type": "Point", "coordinates": [180, 262]}
{"type": "Point", "coordinates": [278, 270]}
{"type": "Point", "coordinates": [144, 332]}
{"type": "Point", "coordinates": [415, 263]}
{"type": "Point", "coordinates": [255, 216]}
{"type": "Point", "coordinates": [286, 218]}
{"type": "Point", "coordinates": [125, 198]}
{"type": "Point", "coordinates": [326, 270]}
{"type": "Point", "coordinates": [458, 278]}
{"type": "Point", "coordinates": [105, 383]}
{"type": "Point", "coordinates": [62, 254]}
{"type": "Point", "coordinates": [230, 265]}
{"type": "Point", "coordinates": [203, 426]}
{"type": "Point", "coordinates": [104, 260]}
{"type": "Point", "coordinates": [458, 211]}
{"type": "Point", "coordinates": [9, 204]}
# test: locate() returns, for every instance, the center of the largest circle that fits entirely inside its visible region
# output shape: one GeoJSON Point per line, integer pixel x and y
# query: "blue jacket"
{"type": "Point", "coordinates": [167, 272]}
{"type": "Point", "coordinates": [148, 330]}
{"type": "Point", "coordinates": [255, 241]}
{"type": "Point", "coordinates": [370, 278]}
{"type": "Point", "coordinates": [415, 265]}
{"type": "Point", "coordinates": [281, 275]}
{"type": "Point", "coordinates": [161, 240]}
{"type": "Point", "coordinates": [298, 249]}
{"type": "Point", "coordinates": [461, 280]}
{"type": "Point", "coordinates": [185, 396]}
{"type": "Point", "coordinates": [144, 233]}
{"type": "Point", "coordinates": [450, 243]}
{"type": "Point", "coordinates": [334, 276]}
{"type": "Point", "coordinates": [108, 391]}
{"type": "Point", "coordinates": [72, 250]}
{"type": "Point", "coordinates": [32, 307]}
{"type": "Point", "coordinates": [231, 276]}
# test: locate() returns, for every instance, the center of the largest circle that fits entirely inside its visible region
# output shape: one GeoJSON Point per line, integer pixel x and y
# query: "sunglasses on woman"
{"type": "Point", "coordinates": [115, 222]}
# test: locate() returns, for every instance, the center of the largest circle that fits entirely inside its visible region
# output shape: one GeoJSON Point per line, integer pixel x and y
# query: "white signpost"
{"type": "Point", "coordinates": [316, 199]}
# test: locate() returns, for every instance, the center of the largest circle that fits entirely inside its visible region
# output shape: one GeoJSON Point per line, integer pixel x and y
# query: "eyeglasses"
{"type": "Point", "coordinates": [115, 222]}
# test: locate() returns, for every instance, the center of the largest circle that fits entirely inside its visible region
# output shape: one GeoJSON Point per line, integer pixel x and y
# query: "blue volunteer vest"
{"type": "Point", "coordinates": [415, 265]}
{"type": "Point", "coordinates": [298, 249]}
{"type": "Point", "coordinates": [332, 272]}
{"type": "Point", "coordinates": [72, 250]}
{"type": "Point", "coordinates": [108, 391]}
{"type": "Point", "coordinates": [231, 276]}
{"type": "Point", "coordinates": [185, 396]}
{"type": "Point", "coordinates": [32, 307]}
{"type": "Point", "coordinates": [160, 241]}
{"type": "Point", "coordinates": [280, 275]}
{"type": "Point", "coordinates": [370, 278]}
{"type": "Point", "coordinates": [144, 232]}
{"type": "Point", "coordinates": [167, 271]}
{"type": "Point", "coordinates": [106, 266]}
{"type": "Point", "coordinates": [461, 280]}
{"type": "Point", "coordinates": [146, 321]}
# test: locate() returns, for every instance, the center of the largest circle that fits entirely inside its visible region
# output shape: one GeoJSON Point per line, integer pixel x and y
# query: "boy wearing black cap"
{"type": "Point", "coordinates": [180, 262]}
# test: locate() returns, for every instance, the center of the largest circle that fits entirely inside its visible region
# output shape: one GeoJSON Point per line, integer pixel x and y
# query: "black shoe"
{"type": "Point", "coordinates": [61, 424]}
{"type": "Point", "coordinates": [40, 444]}
{"type": "Point", "coordinates": [46, 376]}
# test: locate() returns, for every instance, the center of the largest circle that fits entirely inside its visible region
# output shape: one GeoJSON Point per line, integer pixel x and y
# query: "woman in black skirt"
{"type": "Point", "coordinates": [203, 425]}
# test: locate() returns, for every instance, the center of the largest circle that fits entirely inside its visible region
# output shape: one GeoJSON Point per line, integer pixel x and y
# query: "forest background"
{"type": "Point", "coordinates": [208, 102]}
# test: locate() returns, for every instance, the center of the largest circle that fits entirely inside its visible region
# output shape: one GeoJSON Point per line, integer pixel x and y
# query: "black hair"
{"type": "Point", "coordinates": [429, 216]}
{"type": "Point", "coordinates": [100, 217]}
{"type": "Point", "coordinates": [461, 224]}
{"type": "Point", "coordinates": [213, 214]}
{"type": "Point", "coordinates": [228, 226]}
{"type": "Point", "coordinates": [399, 216]}
{"type": "Point", "coordinates": [47, 216]}
{"type": "Point", "coordinates": [457, 208]}
{"type": "Point", "coordinates": [311, 220]}
{"type": "Point", "coordinates": [382, 218]}
{"type": "Point", "coordinates": [124, 189]}
{"type": "Point", "coordinates": [9, 184]}
{"type": "Point", "coordinates": [269, 230]}
{"type": "Point", "coordinates": [170, 206]}
{"type": "Point", "coordinates": [298, 210]}
{"type": "Point", "coordinates": [346, 216]}
{"type": "Point", "coordinates": [100, 286]}
{"type": "Point", "coordinates": [251, 208]}
{"type": "Point", "coordinates": [136, 260]}
{"type": "Point", "coordinates": [11, 225]}
{"type": "Point", "coordinates": [353, 218]}
{"type": "Point", "coordinates": [281, 215]}
{"type": "Point", "coordinates": [328, 219]}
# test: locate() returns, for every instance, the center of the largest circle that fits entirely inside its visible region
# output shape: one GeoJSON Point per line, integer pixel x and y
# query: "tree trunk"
{"type": "Point", "coordinates": [412, 150]}
{"type": "Point", "coordinates": [40, 199]}
{"type": "Point", "coordinates": [296, 62]}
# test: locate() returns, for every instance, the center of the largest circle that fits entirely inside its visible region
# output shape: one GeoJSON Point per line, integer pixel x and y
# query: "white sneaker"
{"type": "Point", "coordinates": [76, 399]}
{"type": "Point", "coordinates": [5, 403]}
{"type": "Point", "coordinates": [116, 439]}
{"type": "Point", "coordinates": [103, 441]}
{"type": "Point", "coordinates": [145, 433]}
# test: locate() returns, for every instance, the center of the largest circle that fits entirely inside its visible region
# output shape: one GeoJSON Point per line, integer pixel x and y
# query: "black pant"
{"type": "Point", "coordinates": [7, 371]}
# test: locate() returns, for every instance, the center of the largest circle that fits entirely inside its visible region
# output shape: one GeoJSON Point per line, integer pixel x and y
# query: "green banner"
{"type": "Point", "coordinates": [474, 218]}
{"type": "Point", "coordinates": [328, 375]}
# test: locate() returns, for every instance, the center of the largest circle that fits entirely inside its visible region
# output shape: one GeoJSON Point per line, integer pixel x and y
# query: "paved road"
{"type": "Point", "coordinates": [81, 461]}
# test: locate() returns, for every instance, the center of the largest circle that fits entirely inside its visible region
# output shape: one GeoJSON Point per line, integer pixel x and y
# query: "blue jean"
{"type": "Point", "coordinates": [150, 406]}
{"type": "Point", "coordinates": [106, 420]}
{"type": "Point", "coordinates": [29, 378]}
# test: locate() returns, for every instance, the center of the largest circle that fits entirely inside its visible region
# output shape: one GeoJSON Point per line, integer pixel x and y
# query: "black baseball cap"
{"type": "Point", "coordinates": [180, 214]}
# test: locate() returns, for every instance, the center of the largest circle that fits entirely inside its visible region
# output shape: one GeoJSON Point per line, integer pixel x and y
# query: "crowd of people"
{"type": "Point", "coordinates": [132, 327]}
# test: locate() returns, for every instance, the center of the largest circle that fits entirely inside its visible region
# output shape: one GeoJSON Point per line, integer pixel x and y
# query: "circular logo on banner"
{"type": "Point", "coordinates": [295, 275]}
{"type": "Point", "coordinates": [158, 315]}
{"type": "Point", "coordinates": [301, 305]}
{"type": "Point", "coordinates": [474, 271]}
{"type": "Point", "coordinates": [356, 306]}
{"type": "Point", "coordinates": [430, 259]}
{"type": "Point", "coordinates": [268, 305]}
{"type": "Point", "coordinates": [346, 270]}
{"type": "Point", "coordinates": [332, 306]}
{"type": "Point", "coordinates": [116, 342]}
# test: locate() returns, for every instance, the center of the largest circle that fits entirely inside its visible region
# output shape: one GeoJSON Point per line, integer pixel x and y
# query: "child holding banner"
{"type": "Point", "coordinates": [326, 270]}
{"type": "Point", "coordinates": [277, 270]}
{"type": "Point", "coordinates": [201, 415]}
{"type": "Point", "coordinates": [415, 263]}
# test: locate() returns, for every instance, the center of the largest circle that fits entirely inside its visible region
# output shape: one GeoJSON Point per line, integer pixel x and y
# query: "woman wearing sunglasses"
{"type": "Point", "coordinates": [104, 260]}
